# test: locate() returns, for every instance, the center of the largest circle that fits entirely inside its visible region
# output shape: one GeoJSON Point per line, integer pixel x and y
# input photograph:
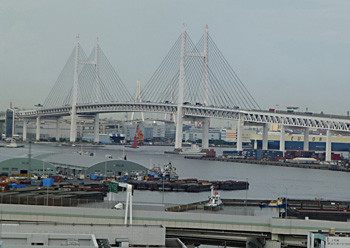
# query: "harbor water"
{"type": "Point", "coordinates": [266, 182]}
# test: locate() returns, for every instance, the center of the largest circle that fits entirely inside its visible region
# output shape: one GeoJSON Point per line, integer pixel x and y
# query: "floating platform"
{"type": "Point", "coordinates": [81, 145]}
{"type": "Point", "coordinates": [188, 185]}
{"type": "Point", "coordinates": [274, 163]}
{"type": "Point", "coordinates": [185, 153]}
{"type": "Point", "coordinates": [306, 205]}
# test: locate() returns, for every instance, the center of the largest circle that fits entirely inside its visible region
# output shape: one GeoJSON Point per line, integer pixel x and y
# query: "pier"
{"type": "Point", "coordinates": [274, 163]}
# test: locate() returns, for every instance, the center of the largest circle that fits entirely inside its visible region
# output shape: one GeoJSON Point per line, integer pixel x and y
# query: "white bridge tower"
{"type": "Point", "coordinates": [97, 89]}
{"type": "Point", "coordinates": [138, 99]}
{"type": "Point", "coordinates": [182, 81]}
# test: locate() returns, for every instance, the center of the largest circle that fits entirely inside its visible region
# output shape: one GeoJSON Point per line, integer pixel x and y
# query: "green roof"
{"type": "Point", "coordinates": [113, 167]}
{"type": "Point", "coordinates": [16, 165]}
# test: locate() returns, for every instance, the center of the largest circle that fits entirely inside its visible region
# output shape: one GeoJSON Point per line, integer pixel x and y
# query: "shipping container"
{"type": "Point", "coordinates": [48, 182]}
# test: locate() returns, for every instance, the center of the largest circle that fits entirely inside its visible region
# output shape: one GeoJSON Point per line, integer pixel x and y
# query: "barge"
{"type": "Point", "coordinates": [188, 185]}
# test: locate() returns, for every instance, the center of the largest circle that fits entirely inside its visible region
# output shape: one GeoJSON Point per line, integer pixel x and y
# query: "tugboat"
{"type": "Point", "coordinates": [169, 171]}
{"type": "Point", "coordinates": [214, 202]}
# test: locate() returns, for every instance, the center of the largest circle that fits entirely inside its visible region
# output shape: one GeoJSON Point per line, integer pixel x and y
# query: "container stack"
{"type": "Point", "coordinates": [48, 182]}
{"type": "Point", "coordinates": [250, 154]}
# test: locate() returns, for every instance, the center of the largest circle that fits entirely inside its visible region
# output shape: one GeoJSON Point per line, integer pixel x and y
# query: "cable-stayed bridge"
{"type": "Point", "coordinates": [194, 81]}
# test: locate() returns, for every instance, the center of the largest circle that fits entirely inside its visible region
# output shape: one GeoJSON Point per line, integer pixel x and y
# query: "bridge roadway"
{"type": "Point", "coordinates": [304, 120]}
{"type": "Point", "coordinates": [330, 123]}
{"type": "Point", "coordinates": [201, 225]}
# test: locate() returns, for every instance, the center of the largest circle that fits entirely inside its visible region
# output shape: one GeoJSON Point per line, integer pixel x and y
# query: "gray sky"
{"type": "Point", "coordinates": [293, 52]}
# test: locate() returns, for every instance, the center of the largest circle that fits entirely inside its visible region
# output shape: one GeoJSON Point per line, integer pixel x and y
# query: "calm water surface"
{"type": "Point", "coordinates": [266, 182]}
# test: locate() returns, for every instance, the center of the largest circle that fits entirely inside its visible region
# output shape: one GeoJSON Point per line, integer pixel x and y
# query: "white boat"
{"type": "Point", "coordinates": [169, 171]}
{"type": "Point", "coordinates": [194, 150]}
{"type": "Point", "coordinates": [214, 202]}
{"type": "Point", "coordinates": [13, 144]}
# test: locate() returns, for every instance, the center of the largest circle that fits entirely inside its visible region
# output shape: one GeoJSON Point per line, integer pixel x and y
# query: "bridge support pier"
{"type": "Point", "coordinates": [178, 135]}
{"type": "Point", "coordinates": [205, 135]}
{"type": "Point", "coordinates": [37, 137]}
{"type": "Point", "coordinates": [306, 138]}
{"type": "Point", "coordinates": [57, 136]}
{"type": "Point", "coordinates": [239, 134]}
{"type": "Point", "coordinates": [265, 140]}
{"type": "Point", "coordinates": [24, 138]}
{"type": "Point", "coordinates": [97, 128]}
{"type": "Point", "coordinates": [255, 144]}
{"type": "Point", "coordinates": [282, 139]}
{"type": "Point", "coordinates": [329, 146]}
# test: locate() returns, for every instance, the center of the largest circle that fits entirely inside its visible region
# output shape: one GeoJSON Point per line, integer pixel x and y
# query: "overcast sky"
{"type": "Point", "coordinates": [287, 53]}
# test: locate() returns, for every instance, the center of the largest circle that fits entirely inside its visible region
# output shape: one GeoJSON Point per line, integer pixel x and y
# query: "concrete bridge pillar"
{"type": "Point", "coordinates": [24, 138]}
{"type": "Point", "coordinates": [265, 136]}
{"type": "Point", "coordinates": [329, 145]}
{"type": "Point", "coordinates": [282, 139]}
{"type": "Point", "coordinates": [58, 135]}
{"type": "Point", "coordinates": [306, 139]}
{"type": "Point", "coordinates": [205, 135]}
{"type": "Point", "coordinates": [239, 134]}
{"type": "Point", "coordinates": [37, 137]}
{"type": "Point", "coordinates": [178, 135]}
{"type": "Point", "coordinates": [97, 128]}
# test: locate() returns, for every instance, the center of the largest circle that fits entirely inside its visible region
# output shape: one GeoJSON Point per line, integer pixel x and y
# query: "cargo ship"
{"type": "Point", "coordinates": [296, 142]}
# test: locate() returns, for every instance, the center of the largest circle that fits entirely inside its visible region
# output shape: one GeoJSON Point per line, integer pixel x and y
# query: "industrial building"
{"type": "Point", "coordinates": [26, 165]}
{"type": "Point", "coordinates": [116, 168]}
{"type": "Point", "coordinates": [70, 164]}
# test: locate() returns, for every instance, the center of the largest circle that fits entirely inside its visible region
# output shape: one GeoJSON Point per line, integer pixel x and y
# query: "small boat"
{"type": "Point", "coordinates": [194, 150]}
{"type": "Point", "coordinates": [13, 144]}
{"type": "Point", "coordinates": [169, 171]}
{"type": "Point", "coordinates": [214, 202]}
{"type": "Point", "coordinates": [279, 203]}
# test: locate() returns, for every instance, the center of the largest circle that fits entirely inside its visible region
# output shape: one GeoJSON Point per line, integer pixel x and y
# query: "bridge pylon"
{"type": "Point", "coordinates": [179, 116]}
{"type": "Point", "coordinates": [138, 99]}
{"type": "Point", "coordinates": [73, 127]}
{"type": "Point", "coordinates": [96, 89]}
{"type": "Point", "coordinates": [182, 81]}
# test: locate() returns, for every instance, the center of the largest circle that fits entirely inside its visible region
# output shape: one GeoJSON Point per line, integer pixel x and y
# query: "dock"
{"type": "Point", "coordinates": [292, 203]}
{"type": "Point", "coordinates": [274, 163]}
